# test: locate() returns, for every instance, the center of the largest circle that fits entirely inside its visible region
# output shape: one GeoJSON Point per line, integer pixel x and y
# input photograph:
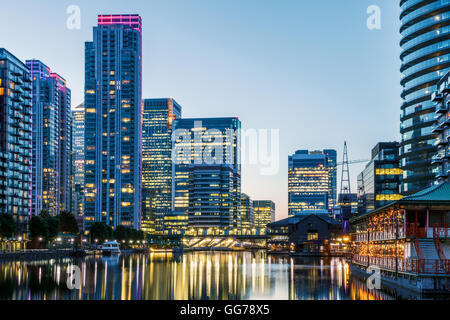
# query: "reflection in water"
{"type": "Point", "coordinates": [242, 275]}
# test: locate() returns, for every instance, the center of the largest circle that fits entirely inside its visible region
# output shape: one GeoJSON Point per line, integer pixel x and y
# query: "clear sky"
{"type": "Point", "coordinates": [311, 69]}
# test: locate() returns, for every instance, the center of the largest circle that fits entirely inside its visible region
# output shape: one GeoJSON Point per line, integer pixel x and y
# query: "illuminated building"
{"type": "Point", "coordinates": [441, 161]}
{"type": "Point", "coordinates": [158, 117]}
{"type": "Point", "coordinates": [264, 213]}
{"type": "Point", "coordinates": [379, 183]}
{"type": "Point", "coordinates": [207, 171]}
{"type": "Point", "coordinates": [176, 222]}
{"type": "Point", "coordinates": [113, 107]}
{"type": "Point", "coordinates": [78, 116]}
{"type": "Point", "coordinates": [247, 212]}
{"type": "Point", "coordinates": [406, 239]}
{"type": "Point", "coordinates": [425, 58]}
{"type": "Point", "coordinates": [15, 139]}
{"type": "Point", "coordinates": [309, 183]}
{"type": "Point", "coordinates": [51, 171]}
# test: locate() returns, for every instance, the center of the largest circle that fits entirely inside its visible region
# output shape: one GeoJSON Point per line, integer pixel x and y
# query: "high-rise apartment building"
{"type": "Point", "coordinates": [441, 161]}
{"type": "Point", "coordinates": [425, 58]}
{"type": "Point", "coordinates": [309, 185]}
{"type": "Point", "coordinates": [207, 171]}
{"type": "Point", "coordinates": [379, 183]}
{"type": "Point", "coordinates": [158, 118]}
{"type": "Point", "coordinates": [264, 213]}
{"type": "Point", "coordinates": [113, 106]}
{"type": "Point", "coordinates": [78, 118]}
{"type": "Point", "coordinates": [52, 134]}
{"type": "Point", "coordinates": [15, 139]}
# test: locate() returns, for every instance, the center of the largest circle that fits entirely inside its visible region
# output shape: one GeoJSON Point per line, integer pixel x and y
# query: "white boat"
{"type": "Point", "coordinates": [111, 247]}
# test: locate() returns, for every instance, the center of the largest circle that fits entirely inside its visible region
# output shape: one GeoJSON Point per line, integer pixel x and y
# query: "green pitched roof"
{"type": "Point", "coordinates": [440, 192]}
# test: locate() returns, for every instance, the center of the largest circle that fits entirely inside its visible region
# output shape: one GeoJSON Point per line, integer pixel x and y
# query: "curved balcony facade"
{"type": "Point", "coordinates": [425, 57]}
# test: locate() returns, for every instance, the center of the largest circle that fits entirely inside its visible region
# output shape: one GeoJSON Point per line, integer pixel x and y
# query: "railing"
{"type": "Point", "coordinates": [416, 266]}
{"type": "Point", "coordinates": [441, 230]}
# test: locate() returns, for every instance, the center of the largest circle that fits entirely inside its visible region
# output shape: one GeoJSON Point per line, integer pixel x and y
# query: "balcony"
{"type": "Point", "coordinates": [437, 97]}
{"type": "Point", "coordinates": [437, 160]}
{"type": "Point", "coordinates": [437, 128]}
{"type": "Point", "coordinates": [446, 89]}
{"type": "Point", "coordinates": [441, 109]}
{"type": "Point", "coordinates": [442, 143]}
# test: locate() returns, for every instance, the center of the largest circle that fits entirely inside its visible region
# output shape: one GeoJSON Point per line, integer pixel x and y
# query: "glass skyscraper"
{"type": "Point", "coordinates": [207, 171]}
{"type": "Point", "coordinates": [425, 59]}
{"type": "Point", "coordinates": [113, 106]}
{"type": "Point", "coordinates": [379, 183]}
{"type": "Point", "coordinates": [247, 212]}
{"type": "Point", "coordinates": [78, 116]}
{"type": "Point", "coordinates": [158, 118]}
{"type": "Point", "coordinates": [309, 183]}
{"type": "Point", "coordinates": [51, 171]}
{"type": "Point", "coordinates": [15, 139]}
{"type": "Point", "coordinates": [264, 213]}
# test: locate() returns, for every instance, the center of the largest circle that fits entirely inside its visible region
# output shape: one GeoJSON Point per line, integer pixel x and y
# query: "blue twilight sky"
{"type": "Point", "coordinates": [309, 68]}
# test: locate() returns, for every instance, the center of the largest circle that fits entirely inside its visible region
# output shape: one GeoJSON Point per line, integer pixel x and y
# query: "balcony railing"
{"type": "Point", "coordinates": [441, 230]}
{"type": "Point", "coordinates": [416, 266]}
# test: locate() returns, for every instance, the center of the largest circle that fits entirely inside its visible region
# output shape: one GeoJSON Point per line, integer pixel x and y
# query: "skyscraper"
{"type": "Point", "coordinates": [158, 118]}
{"type": "Point", "coordinates": [78, 117]}
{"type": "Point", "coordinates": [15, 139]}
{"type": "Point", "coordinates": [52, 133]}
{"type": "Point", "coordinates": [113, 105]}
{"type": "Point", "coordinates": [264, 213]}
{"type": "Point", "coordinates": [207, 171]}
{"type": "Point", "coordinates": [309, 183]}
{"type": "Point", "coordinates": [425, 59]}
{"type": "Point", "coordinates": [379, 183]}
{"type": "Point", "coordinates": [247, 212]}
{"type": "Point", "coordinates": [441, 161]}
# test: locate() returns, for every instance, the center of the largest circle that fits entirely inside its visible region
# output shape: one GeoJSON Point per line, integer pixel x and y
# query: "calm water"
{"type": "Point", "coordinates": [242, 275]}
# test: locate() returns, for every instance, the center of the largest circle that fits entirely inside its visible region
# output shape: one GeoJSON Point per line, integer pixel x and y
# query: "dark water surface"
{"type": "Point", "coordinates": [199, 275]}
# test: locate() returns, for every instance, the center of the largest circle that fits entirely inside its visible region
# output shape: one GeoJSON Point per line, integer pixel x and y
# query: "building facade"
{"type": "Point", "coordinates": [158, 118]}
{"type": "Point", "coordinates": [441, 161]}
{"type": "Point", "coordinates": [309, 183]}
{"type": "Point", "coordinates": [425, 58]}
{"type": "Point", "coordinates": [113, 106]}
{"type": "Point", "coordinates": [52, 134]}
{"type": "Point", "coordinates": [247, 212]}
{"type": "Point", "coordinates": [15, 139]}
{"type": "Point", "coordinates": [207, 171]}
{"type": "Point", "coordinates": [78, 118]}
{"type": "Point", "coordinates": [264, 211]}
{"type": "Point", "coordinates": [379, 183]}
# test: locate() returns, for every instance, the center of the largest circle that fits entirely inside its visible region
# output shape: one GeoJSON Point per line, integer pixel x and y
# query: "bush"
{"type": "Point", "coordinates": [7, 226]}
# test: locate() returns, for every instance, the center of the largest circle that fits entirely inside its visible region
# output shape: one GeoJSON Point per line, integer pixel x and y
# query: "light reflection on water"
{"type": "Point", "coordinates": [194, 276]}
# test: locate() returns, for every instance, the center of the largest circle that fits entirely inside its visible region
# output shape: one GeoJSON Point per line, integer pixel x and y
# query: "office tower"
{"type": "Point", "coordinates": [441, 161]}
{"type": "Point", "coordinates": [78, 118]}
{"type": "Point", "coordinates": [51, 152]}
{"type": "Point", "coordinates": [332, 173]}
{"type": "Point", "coordinates": [113, 105]}
{"type": "Point", "coordinates": [309, 183]}
{"type": "Point", "coordinates": [247, 212]}
{"type": "Point", "coordinates": [15, 139]}
{"type": "Point", "coordinates": [207, 171]}
{"type": "Point", "coordinates": [158, 118]}
{"type": "Point", "coordinates": [425, 59]}
{"type": "Point", "coordinates": [264, 213]}
{"type": "Point", "coordinates": [379, 183]}
{"type": "Point", "coordinates": [349, 200]}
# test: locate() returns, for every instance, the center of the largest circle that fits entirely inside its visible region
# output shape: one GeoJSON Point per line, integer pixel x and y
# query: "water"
{"type": "Point", "coordinates": [194, 276]}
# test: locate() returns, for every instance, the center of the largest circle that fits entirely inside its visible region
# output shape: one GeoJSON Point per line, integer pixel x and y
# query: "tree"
{"type": "Point", "coordinates": [38, 227]}
{"type": "Point", "coordinates": [122, 233]}
{"type": "Point", "coordinates": [100, 231]}
{"type": "Point", "coordinates": [53, 224]}
{"type": "Point", "coordinates": [68, 223]}
{"type": "Point", "coordinates": [7, 226]}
